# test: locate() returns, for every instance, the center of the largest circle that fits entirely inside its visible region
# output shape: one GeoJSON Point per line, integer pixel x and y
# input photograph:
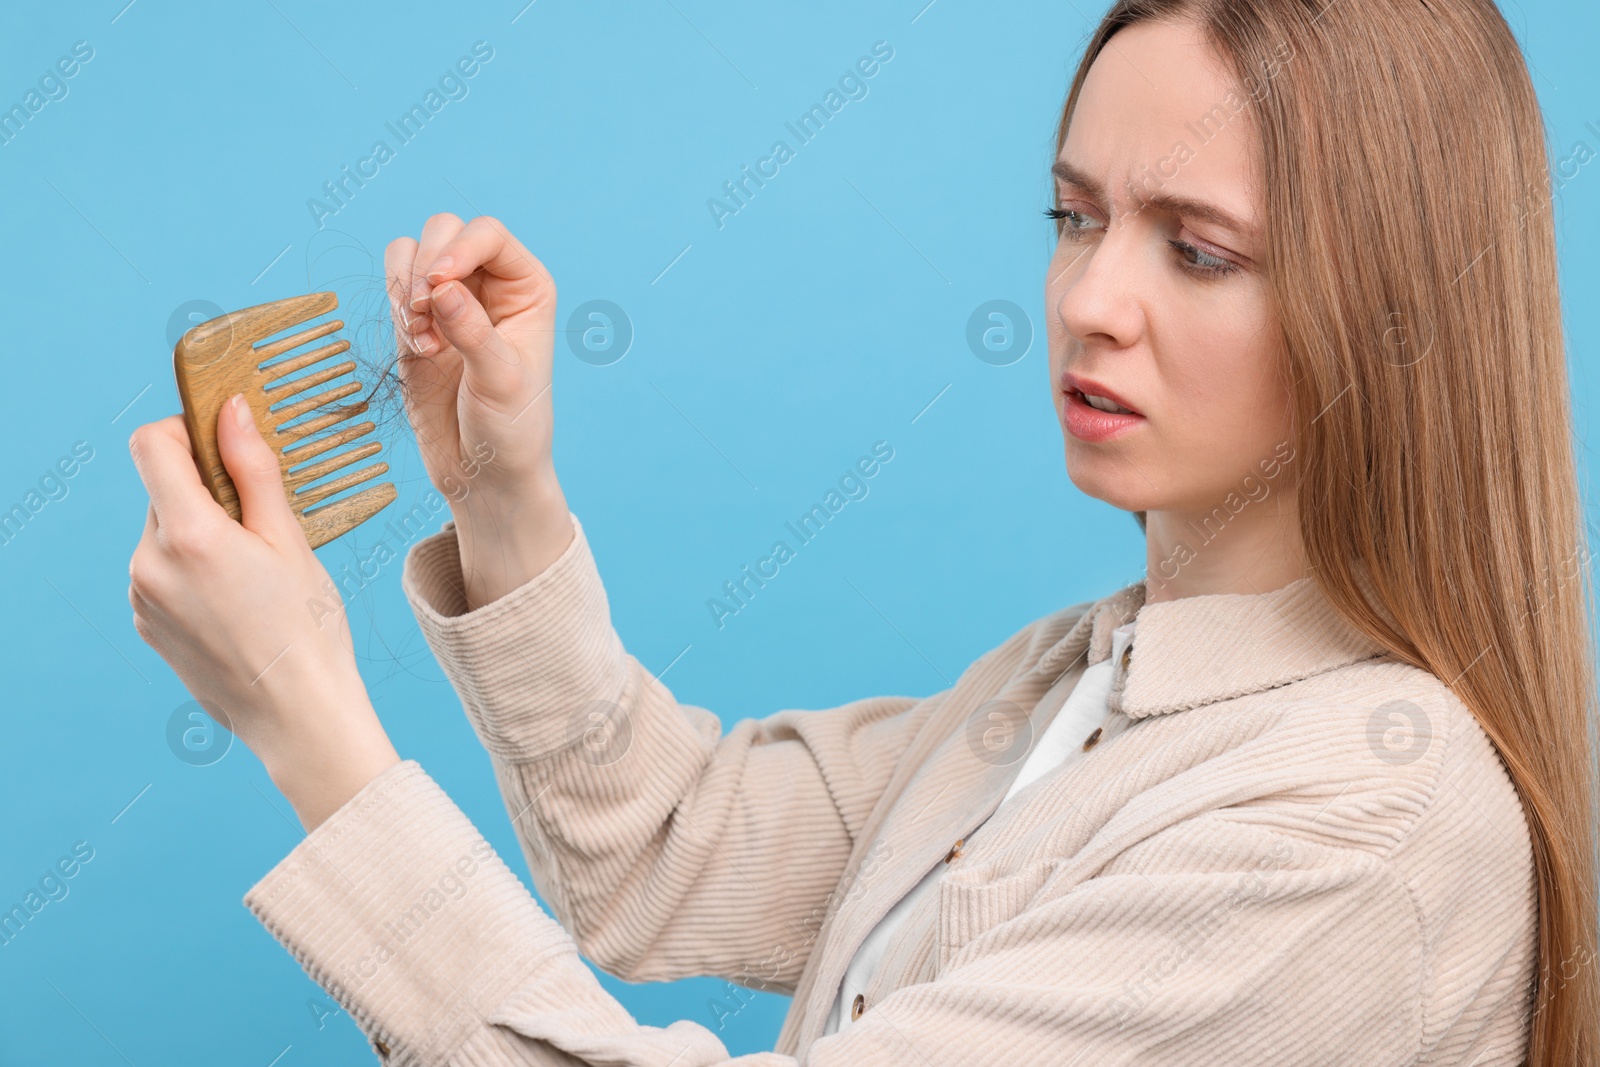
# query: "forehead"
{"type": "Point", "coordinates": [1160, 110]}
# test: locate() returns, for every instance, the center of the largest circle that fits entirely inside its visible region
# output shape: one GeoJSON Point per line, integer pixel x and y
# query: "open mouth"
{"type": "Point", "coordinates": [1087, 420]}
{"type": "Point", "coordinates": [1102, 404]}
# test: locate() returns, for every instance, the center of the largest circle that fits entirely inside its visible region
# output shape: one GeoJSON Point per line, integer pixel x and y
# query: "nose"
{"type": "Point", "coordinates": [1095, 289]}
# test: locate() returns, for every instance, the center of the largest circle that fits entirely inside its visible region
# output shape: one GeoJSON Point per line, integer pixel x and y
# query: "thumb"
{"type": "Point", "coordinates": [253, 465]}
{"type": "Point", "coordinates": [489, 361]}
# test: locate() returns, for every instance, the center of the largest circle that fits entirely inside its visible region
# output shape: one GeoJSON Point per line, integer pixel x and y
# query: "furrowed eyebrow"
{"type": "Point", "coordinates": [1176, 205]}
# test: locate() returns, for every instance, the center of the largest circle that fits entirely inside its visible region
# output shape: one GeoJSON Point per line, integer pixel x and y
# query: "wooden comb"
{"type": "Point", "coordinates": [223, 356]}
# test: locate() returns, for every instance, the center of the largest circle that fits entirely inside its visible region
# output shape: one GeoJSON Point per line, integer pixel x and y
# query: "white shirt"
{"type": "Point", "coordinates": [1061, 742]}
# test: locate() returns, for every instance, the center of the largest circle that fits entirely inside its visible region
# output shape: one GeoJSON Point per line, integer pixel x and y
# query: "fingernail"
{"type": "Point", "coordinates": [441, 267]}
{"type": "Point", "coordinates": [241, 412]}
{"type": "Point", "coordinates": [424, 343]}
{"type": "Point", "coordinates": [419, 294]}
{"type": "Point", "coordinates": [447, 298]}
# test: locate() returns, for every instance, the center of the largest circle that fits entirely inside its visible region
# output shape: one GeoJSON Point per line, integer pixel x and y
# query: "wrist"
{"type": "Point", "coordinates": [496, 507]}
{"type": "Point", "coordinates": [319, 765]}
{"type": "Point", "coordinates": [509, 546]}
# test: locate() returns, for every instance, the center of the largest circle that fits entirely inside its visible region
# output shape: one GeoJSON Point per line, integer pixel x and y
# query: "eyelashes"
{"type": "Point", "coordinates": [1203, 265]}
{"type": "Point", "coordinates": [1208, 265]}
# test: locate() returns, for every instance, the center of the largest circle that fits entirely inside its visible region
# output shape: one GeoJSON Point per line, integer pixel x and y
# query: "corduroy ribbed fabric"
{"type": "Point", "coordinates": [1291, 848]}
{"type": "Point", "coordinates": [1083, 714]}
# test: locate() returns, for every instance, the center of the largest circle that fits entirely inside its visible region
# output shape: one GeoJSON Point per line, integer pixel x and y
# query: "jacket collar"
{"type": "Point", "coordinates": [1198, 650]}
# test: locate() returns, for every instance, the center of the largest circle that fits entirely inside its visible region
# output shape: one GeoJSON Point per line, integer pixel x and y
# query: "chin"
{"type": "Point", "coordinates": [1109, 482]}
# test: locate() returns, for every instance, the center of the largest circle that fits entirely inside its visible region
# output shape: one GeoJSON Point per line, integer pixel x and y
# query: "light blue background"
{"type": "Point", "coordinates": [828, 314]}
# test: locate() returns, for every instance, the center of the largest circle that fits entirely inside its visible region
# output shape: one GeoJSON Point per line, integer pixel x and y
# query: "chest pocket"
{"type": "Point", "coordinates": [975, 898]}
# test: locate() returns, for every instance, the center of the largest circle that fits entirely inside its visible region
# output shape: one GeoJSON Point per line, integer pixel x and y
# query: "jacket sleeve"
{"type": "Point", "coordinates": [1213, 941]}
{"type": "Point", "coordinates": [666, 847]}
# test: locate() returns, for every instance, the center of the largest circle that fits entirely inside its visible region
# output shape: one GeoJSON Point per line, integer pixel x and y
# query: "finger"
{"type": "Point", "coordinates": [257, 475]}
{"type": "Point", "coordinates": [150, 621]}
{"type": "Point", "coordinates": [162, 455]}
{"type": "Point", "coordinates": [424, 334]}
{"type": "Point", "coordinates": [413, 330]}
{"type": "Point", "coordinates": [436, 233]}
{"type": "Point", "coordinates": [144, 607]}
{"type": "Point", "coordinates": [490, 363]}
{"type": "Point", "coordinates": [150, 536]}
{"type": "Point", "coordinates": [483, 244]}
{"type": "Point", "coordinates": [431, 383]}
{"type": "Point", "coordinates": [397, 268]}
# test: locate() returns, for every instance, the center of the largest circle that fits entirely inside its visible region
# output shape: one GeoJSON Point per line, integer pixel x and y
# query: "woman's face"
{"type": "Point", "coordinates": [1152, 295]}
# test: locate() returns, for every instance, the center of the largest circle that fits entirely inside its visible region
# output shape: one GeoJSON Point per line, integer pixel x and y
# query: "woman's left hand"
{"type": "Point", "coordinates": [248, 618]}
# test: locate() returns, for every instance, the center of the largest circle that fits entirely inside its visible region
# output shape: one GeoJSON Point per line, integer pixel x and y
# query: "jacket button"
{"type": "Point", "coordinates": [955, 850]}
{"type": "Point", "coordinates": [383, 1049]}
{"type": "Point", "coordinates": [857, 1006]}
{"type": "Point", "coordinates": [1127, 655]}
{"type": "Point", "coordinates": [1092, 739]}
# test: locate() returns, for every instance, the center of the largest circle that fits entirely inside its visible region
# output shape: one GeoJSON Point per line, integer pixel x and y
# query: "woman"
{"type": "Point", "coordinates": [1337, 807]}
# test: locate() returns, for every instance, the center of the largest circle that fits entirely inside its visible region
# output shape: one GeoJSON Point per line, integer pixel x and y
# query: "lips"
{"type": "Point", "coordinates": [1072, 383]}
{"type": "Point", "coordinates": [1089, 423]}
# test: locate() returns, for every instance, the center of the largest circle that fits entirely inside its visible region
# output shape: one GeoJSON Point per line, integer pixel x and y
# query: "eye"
{"type": "Point", "coordinates": [1075, 221]}
{"type": "Point", "coordinates": [1204, 264]}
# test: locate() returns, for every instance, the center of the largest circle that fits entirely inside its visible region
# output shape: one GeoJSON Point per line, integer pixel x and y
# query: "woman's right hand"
{"type": "Point", "coordinates": [474, 316]}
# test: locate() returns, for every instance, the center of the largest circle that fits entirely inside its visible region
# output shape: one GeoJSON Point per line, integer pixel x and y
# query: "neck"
{"type": "Point", "coordinates": [1194, 553]}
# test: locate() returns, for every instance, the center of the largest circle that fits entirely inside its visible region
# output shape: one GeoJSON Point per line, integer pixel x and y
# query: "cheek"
{"type": "Point", "coordinates": [1066, 263]}
{"type": "Point", "coordinates": [1228, 406]}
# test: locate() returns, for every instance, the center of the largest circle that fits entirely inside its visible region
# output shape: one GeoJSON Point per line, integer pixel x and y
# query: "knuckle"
{"type": "Point", "coordinates": [261, 465]}
{"type": "Point", "coordinates": [141, 583]}
{"type": "Point", "coordinates": [147, 630]}
{"type": "Point", "coordinates": [399, 288]}
{"type": "Point", "coordinates": [183, 539]}
{"type": "Point", "coordinates": [399, 251]}
{"type": "Point", "coordinates": [442, 219]}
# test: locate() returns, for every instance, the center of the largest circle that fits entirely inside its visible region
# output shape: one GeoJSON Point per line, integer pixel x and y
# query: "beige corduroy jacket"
{"type": "Point", "coordinates": [1287, 848]}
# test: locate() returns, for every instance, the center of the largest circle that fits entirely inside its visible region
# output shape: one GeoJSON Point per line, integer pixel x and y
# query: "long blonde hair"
{"type": "Point", "coordinates": [1411, 259]}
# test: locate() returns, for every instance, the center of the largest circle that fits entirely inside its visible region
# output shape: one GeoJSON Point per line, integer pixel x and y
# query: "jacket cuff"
{"type": "Point", "coordinates": [533, 668]}
{"type": "Point", "coordinates": [399, 908]}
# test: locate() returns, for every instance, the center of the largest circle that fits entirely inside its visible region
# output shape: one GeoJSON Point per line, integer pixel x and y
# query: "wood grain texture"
{"type": "Point", "coordinates": [224, 356]}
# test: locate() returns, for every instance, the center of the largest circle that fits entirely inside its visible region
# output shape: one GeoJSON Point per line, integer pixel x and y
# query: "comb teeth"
{"type": "Point", "coordinates": [226, 355]}
{"type": "Point", "coordinates": [278, 348]}
{"type": "Point", "coordinates": [311, 403]}
{"type": "Point", "coordinates": [282, 369]}
{"type": "Point", "coordinates": [301, 430]}
{"type": "Point", "coordinates": [306, 497]}
{"type": "Point", "coordinates": [300, 453]}
{"type": "Point", "coordinates": [310, 474]}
